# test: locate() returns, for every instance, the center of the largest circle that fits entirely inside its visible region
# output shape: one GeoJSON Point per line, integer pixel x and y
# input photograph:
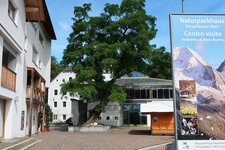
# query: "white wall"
{"type": "Point", "coordinates": [15, 29]}
{"type": "Point", "coordinates": [13, 34]}
{"type": "Point", "coordinates": [55, 85]}
{"type": "Point", "coordinates": [44, 51]}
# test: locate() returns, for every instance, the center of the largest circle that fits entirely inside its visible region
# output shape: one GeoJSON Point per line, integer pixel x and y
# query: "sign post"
{"type": "Point", "coordinates": [198, 53]}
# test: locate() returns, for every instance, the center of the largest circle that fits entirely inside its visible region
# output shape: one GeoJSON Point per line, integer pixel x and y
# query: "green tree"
{"type": "Point", "coordinates": [56, 67]}
{"type": "Point", "coordinates": [116, 42]}
{"type": "Point", "coordinates": [159, 64]}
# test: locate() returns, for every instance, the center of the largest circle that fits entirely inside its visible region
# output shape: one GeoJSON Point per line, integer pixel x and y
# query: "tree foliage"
{"type": "Point", "coordinates": [56, 67]}
{"type": "Point", "coordinates": [115, 42]}
{"type": "Point", "coordinates": [159, 64]}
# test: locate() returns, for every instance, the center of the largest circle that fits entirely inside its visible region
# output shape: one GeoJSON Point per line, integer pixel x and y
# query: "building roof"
{"type": "Point", "coordinates": [37, 11]}
{"type": "Point", "coordinates": [68, 69]}
{"type": "Point", "coordinates": [142, 81]}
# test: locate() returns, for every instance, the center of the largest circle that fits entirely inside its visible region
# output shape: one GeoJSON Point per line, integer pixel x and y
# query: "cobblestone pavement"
{"type": "Point", "coordinates": [123, 138]}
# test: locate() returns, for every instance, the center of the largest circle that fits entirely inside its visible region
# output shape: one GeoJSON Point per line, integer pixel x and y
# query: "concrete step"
{"type": "Point", "coordinates": [23, 145]}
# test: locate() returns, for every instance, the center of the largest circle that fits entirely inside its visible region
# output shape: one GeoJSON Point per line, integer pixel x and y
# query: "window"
{"type": "Point", "coordinates": [41, 39]}
{"type": "Point", "coordinates": [9, 59]}
{"type": "Point", "coordinates": [63, 80]}
{"type": "Point", "coordinates": [64, 104]}
{"type": "Point", "coordinates": [116, 118]}
{"type": "Point", "coordinates": [166, 93]}
{"type": "Point", "coordinates": [154, 92]}
{"type": "Point", "coordinates": [55, 104]}
{"type": "Point", "coordinates": [70, 78]}
{"type": "Point", "coordinates": [39, 64]}
{"type": "Point", "coordinates": [143, 94]}
{"type": "Point", "coordinates": [137, 94]}
{"type": "Point", "coordinates": [55, 117]}
{"type": "Point", "coordinates": [160, 93]}
{"type": "Point", "coordinates": [26, 43]}
{"type": "Point", "coordinates": [12, 10]}
{"type": "Point", "coordinates": [34, 25]}
{"type": "Point", "coordinates": [64, 117]}
{"type": "Point", "coordinates": [171, 93]}
{"type": "Point", "coordinates": [107, 118]}
{"type": "Point", "coordinates": [35, 56]}
{"type": "Point", "coordinates": [55, 92]}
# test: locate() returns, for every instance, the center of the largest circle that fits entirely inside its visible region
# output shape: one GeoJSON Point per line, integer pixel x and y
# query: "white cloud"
{"type": "Point", "coordinates": [65, 26]}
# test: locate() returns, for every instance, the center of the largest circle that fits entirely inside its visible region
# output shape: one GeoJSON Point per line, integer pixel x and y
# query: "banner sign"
{"type": "Point", "coordinates": [198, 53]}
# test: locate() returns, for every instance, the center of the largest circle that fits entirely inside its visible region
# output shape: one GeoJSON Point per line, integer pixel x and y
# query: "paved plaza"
{"type": "Point", "coordinates": [122, 138]}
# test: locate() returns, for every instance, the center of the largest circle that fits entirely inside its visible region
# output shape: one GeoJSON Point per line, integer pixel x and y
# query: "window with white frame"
{"type": "Point", "coordinates": [64, 104]}
{"type": "Point", "coordinates": [41, 39]}
{"type": "Point", "coordinates": [55, 104]}
{"type": "Point", "coordinates": [12, 10]}
{"type": "Point", "coordinates": [35, 56]}
{"type": "Point", "coordinates": [39, 64]}
{"type": "Point", "coordinates": [34, 25]}
{"type": "Point", "coordinates": [55, 117]}
{"type": "Point", "coordinates": [55, 92]}
{"type": "Point", "coordinates": [26, 43]}
{"type": "Point", "coordinates": [64, 117]}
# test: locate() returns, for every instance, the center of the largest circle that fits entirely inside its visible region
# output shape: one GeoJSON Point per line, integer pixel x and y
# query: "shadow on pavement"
{"type": "Point", "coordinates": [171, 146]}
{"type": "Point", "coordinates": [139, 132]}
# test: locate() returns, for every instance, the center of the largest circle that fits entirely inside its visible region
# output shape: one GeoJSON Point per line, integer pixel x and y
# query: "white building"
{"type": "Point", "coordinates": [64, 106]}
{"type": "Point", "coordinates": [61, 105]}
{"type": "Point", "coordinates": [25, 56]}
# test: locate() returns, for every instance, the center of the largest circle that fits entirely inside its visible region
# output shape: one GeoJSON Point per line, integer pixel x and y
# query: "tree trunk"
{"type": "Point", "coordinates": [91, 119]}
{"type": "Point", "coordinates": [94, 116]}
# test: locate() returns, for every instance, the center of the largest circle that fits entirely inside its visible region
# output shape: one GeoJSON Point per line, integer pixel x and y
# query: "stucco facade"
{"type": "Point", "coordinates": [22, 71]}
{"type": "Point", "coordinates": [61, 104]}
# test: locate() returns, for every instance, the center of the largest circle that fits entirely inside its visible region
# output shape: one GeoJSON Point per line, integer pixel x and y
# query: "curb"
{"type": "Point", "coordinates": [155, 146]}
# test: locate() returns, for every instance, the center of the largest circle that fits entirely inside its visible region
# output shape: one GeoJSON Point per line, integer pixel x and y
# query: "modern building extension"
{"type": "Point", "coordinates": [26, 32]}
{"type": "Point", "coordinates": [149, 101]}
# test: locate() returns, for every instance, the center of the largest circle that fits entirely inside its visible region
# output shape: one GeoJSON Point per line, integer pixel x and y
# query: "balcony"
{"type": "Point", "coordinates": [37, 96]}
{"type": "Point", "coordinates": [35, 87]}
{"type": "Point", "coordinates": [8, 78]}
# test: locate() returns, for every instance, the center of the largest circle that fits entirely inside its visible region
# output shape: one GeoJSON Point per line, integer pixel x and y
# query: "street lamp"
{"type": "Point", "coordinates": [182, 6]}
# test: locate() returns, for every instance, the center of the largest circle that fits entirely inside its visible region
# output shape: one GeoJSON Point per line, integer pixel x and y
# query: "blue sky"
{"type": "Point", "coordinates": [61, 12]}
{"type": "Point", "coordinates": [207, 41]}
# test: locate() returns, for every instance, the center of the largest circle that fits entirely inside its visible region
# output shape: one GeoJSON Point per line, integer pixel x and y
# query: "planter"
{"type": "Point", "coordinates": [46, 128]}
{"type": "Point", "coordinates": [89, 129]}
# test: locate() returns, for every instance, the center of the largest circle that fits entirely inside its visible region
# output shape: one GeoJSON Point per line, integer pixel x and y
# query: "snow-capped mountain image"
{"type": "Point", "coordinates": [210, 89]}
{"type": "Point", "coordinates": [221, 68]}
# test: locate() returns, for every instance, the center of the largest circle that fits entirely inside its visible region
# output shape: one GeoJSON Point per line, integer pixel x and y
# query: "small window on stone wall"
{"type": "Point", "coordinates": [107, 118]}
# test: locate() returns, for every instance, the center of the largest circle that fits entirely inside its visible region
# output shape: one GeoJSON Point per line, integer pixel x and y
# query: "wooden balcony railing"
{"type": "Point", "coordinates": [8, 78]}
{"type": "Point", "coordinates": [38, 95]}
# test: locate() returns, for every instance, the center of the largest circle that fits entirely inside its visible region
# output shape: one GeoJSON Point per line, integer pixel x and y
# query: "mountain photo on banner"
{"type": "Point", "coordinates": [210, 90]}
